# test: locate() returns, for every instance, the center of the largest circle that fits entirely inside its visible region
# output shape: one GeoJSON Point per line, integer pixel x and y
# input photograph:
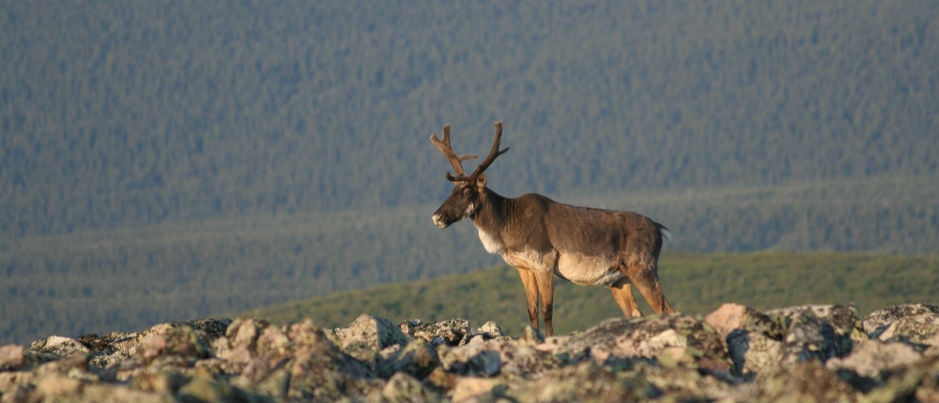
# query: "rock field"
{"type": "Point", "coordinates": [802, 353]}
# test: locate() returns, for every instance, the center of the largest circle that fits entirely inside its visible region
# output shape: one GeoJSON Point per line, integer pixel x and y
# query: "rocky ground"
{"type": "Point", "coordinates": [804, 353]}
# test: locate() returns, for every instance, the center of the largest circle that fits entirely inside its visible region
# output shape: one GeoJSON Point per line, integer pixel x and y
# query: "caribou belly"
{"type": "Point", "coordinates": [588, 270]}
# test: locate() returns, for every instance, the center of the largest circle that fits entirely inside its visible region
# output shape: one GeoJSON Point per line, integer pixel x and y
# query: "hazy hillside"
{"type": "Point", "coordinates": [175, 160]}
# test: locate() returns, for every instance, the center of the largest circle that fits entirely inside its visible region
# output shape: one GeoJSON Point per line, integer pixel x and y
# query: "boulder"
{"type": "Point", "coordinates": [371, 332]}
{"type": "Point", "coordinates": [14, 357]}
{"type": "Point", "coordinates": [57, 346]}
{"type": "Point", "coordinates": [417, 359]}
{"type": "Point", "coordinates": [403, 388]}
{"type": "Point", "coordinates": [914, 323]}
{"type": "Point", "coordinates": [804, 381]}
{"type": "Point", "coordinates": [844, 318]}
{"type": "Point", "coordinates": [583, 382]}
{"type": "Point", "coordinates": [730, 317]}
{"type": "Point", "coordinates": [754, 352]}
{"type": "Point", "coordinates": [450, 332]}
{"type": "Point", "coordinates": [811, 337]}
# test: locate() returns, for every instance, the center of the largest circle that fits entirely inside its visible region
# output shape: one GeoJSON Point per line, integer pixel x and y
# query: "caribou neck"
{"type": "Point", "coordinates": [491, 216]}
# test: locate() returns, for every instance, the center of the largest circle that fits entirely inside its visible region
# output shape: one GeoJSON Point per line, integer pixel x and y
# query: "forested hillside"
{"type": "Point", "coordinates": [142, 112]}
{"type": "Point", "coordinates": [165, 160]}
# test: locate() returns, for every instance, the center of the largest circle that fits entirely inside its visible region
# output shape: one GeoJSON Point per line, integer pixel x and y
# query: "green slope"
{"type": "Point", "coordinates": [694, 283]}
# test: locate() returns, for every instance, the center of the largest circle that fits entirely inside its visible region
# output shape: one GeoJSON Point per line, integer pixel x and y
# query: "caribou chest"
{"type": "Point", "coordinates": [492, 243]}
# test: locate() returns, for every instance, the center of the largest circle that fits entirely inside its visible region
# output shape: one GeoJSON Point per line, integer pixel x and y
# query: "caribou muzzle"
{"type": "Point", "coordinates": [446, 215]}
{"type": "Point", "coordinates": [439, 222]}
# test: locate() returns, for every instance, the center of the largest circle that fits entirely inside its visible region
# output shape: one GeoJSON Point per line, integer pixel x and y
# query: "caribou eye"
{"type": "Point", "coordinates": [466, 191]}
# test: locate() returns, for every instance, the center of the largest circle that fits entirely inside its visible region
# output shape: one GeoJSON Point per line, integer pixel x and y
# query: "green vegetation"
{"type": "Point", "coordinates": [694, 283]}
{"type": "Point", "coordinates": [170, 161]}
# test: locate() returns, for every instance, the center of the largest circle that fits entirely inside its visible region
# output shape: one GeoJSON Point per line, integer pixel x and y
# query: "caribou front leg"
{"type": "Point", "coordinates": [545, 280]}
{"type": "Point", "coordinates": [531, 293]}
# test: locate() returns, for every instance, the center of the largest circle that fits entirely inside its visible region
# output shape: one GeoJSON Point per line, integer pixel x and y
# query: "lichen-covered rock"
{"type": "Point", "coordinates": [58, 346]}
{"type": "Point", "coordinates": [585, 382]}
{"type": "Point", "coordinates": [402, 387]}
{"type": "Point", "coordinates": [678, 337]}
{"type": "Point", "coordinates": [450, 332]}
{"type": "Point", "coordinates": [15, 357]}
{"type": "Point", "coordinates": [810, 337]}
{"type": "Point", "coordinates": [473, 389]}
{"type": "Point", "coordinates": [730, 317]}
{"type": "Point", "coordinates": [58, 388]}
{"type": "Point", "coordinates": [200, 389]}
{"type": "Point", "coordinates": [844, 318]}
{"type": "Point", "coordinates": [488, 331]}
{"type": "Point", "coordinates": [417, 359]}
{"type": "Point", "coordinates": [807, 381]}
{"type": "Point", "coordinates": [914, 323]}
{"type": "Point", "coordinates": [753, 352]}
{"type": "Point", "coordinates": [874, 359]}
{"type": "Point", "coordinates": [182, 341]}
{"type": "Point", "coordinates": [374, 332]}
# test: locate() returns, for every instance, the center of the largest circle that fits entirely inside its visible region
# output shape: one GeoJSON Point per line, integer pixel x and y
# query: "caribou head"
{"type": "Point", "coordinates": [469, 190]}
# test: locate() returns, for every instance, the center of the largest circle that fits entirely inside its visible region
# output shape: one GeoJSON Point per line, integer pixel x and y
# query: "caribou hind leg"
{"type": "Point", "coordinates": [642, 270]}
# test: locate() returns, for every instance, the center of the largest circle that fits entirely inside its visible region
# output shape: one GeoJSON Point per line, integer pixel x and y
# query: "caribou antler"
{"type": "Point", "coordinates": [457, 161]}
{"type": "Point", "coordinates": [493, 153]}
{"type": "Point", "coordinates": [444, 146]}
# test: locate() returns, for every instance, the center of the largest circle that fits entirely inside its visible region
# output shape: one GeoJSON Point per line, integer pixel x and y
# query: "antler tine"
{"type": "Point", "coordinates": [455, 161]}
{"type": "Point", "coordinates": [493, 153]}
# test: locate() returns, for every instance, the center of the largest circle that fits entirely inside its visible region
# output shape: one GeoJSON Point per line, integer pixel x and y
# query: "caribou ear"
{"type": "Point", "coordinates": [481, 182]}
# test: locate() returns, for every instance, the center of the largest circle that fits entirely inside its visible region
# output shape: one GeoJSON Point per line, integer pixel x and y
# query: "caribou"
{"type": "Point", "coordinates": [542, 238]}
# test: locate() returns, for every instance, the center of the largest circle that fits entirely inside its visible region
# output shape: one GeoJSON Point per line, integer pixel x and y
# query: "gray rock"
{"type": "Point", "coordinates": [676, 337]}
{"type": "Point", "coordinates": [14, 357]}
{"type": "Point", "coordinates": [523, 361]}
{"type": "Point", "coordinates": [584, 382]}
{"type": "Point", "coordinates": [844, 319]}
{"type": "Point", "coordinates": [807, 381]}
{"type": "Point", "coordinates": [402, 387]}
{"type": "Point", "coordinates": [417, 359]}
{"type": "Point", "coordinates": [730, 317]}
{"type": "Point", "coordinates": [873, 358]}
{"type": "Point", "coordinates": [488, 331]}
{"type": "Point", "coordinates": [485, 363]}
{"type": "Point", "coordinates": [207, 390]}
{"type": "Point", "coordinates": [753, 352]}
{"type": "Point", "coordinates": [57, 346]}
{"type": "Point", "coordinates": [451, 332]}
{"type": "Point", "coordinates": [914, 323]}
{"type": "Point", "coordinates": [810, 337]}
{"type": "Point", "coordinates": [373, 332]}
